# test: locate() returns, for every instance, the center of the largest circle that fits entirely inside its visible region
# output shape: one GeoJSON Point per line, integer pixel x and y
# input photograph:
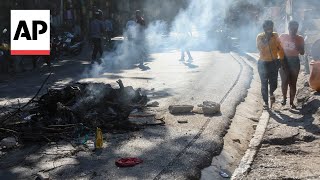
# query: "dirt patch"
{"type": "Point", "coordinates": [281, 135]}
{"type": "Point", "coordinates": [289, 149]}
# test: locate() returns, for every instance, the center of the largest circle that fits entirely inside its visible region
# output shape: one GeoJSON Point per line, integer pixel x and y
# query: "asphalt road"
{"type": "Point", "coordinates": [173, 151]}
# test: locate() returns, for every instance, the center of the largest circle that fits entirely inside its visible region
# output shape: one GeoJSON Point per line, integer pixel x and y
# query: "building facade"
{"type": "Point", "coordinates": [64, 12]}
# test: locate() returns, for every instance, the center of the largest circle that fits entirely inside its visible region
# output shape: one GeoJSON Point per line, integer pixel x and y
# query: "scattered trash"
{"type": "Point", "coordinates": [57, 114]}
{"type": "Point", "coordinates": [81, 140]}
{"type": "Point", "coordinates": [99, 139]}
{"type": "Point", "coordinates": [148, 120]}
{"type": "Point", "coordinates": [224, 175]}
{"type": "Point", "coordinates": [182, 121]}
{"type": "Point", "coordinates": [153, 104]}
{"type": "Point", "coordinates": [141, 115]}
{"type": "Point", "coordinates": [134, 111]}
{"type": "Point", "coordinates": [236, 140]}
{"type": "Point", "coordinates": [28, 118]}
{"type": "Point", "coordinates": [8, 142]}
{"type": "Point", "coordinates": [210, 108]}
{"type": "Point", "coordinates": [42, 176]}
{"type": "Point", "coordinates": [128, 162]}
{"type": "Point", "coordinates": [192, 98]}
{"type": "Point", "coordinates": [152, 89]}
{"type": "Point", "coordinates": [254, 126]}
{"type": "Point", "coordinates": [178, 109]}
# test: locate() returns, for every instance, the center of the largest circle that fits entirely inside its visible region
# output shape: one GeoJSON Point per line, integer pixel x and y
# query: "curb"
{"type": "Point", "coordinates": [247, 159]}
{"type": "Point", "coordinates": [255, 143]}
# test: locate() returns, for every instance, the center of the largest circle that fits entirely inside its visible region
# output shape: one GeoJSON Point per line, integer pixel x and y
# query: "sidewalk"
{"type": "Point", "coordinates": [291, 143]}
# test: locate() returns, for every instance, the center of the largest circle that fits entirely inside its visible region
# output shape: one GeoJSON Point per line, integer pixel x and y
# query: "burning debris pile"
{"type": "Point", "coordinates": [61, 112]}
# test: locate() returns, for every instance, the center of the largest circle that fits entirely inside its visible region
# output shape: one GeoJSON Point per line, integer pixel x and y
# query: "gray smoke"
{"type": "Point", "coordinates": [210, 23]}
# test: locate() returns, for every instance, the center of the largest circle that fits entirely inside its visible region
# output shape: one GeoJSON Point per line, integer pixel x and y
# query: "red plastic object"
{"type": "Point", "coordinates": [128, 162]}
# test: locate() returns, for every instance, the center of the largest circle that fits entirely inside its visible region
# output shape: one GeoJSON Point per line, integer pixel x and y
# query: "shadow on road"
{"type": "Point", "coordinates": [306, 121]}
{"type": "Point", "coordinates": [190, 65]}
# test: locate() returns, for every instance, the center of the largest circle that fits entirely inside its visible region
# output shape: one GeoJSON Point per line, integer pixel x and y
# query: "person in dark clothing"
{"type": "Point", "coordinates": [97, 29]}
{"type": "Point", "coordinates": [140, 19]}
{"type": "Point", "coordinates": [140, 38]}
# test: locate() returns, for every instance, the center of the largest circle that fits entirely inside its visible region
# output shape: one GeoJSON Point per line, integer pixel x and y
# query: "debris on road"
{"type": "Point", "coordinates": [224, 174]}
{"type": "Point", "coordinates": [42, 176]}
{"type": "Point", "coordinates": [179, 109]}
{"type": "Point", "coordinates": [8, 142]}
{"type": "Point", "coordinates": [128, 162]}
{"type": "Point", "coordinates": [182, 121]}
{"type": "Point", "coordinates": [99, 139]}
{"type": "Point", "coordinates": [210, 108]}
{"type": "Point", "coordinates": [60, 113]}
{"type": "Point", "coordinates": [153, 104]}
{"type": "Point", "coordinates": [236, 141]}
{"type": "Point", "coordinates": [206, 108]}
{"type": "Point", "coordinates": [197, 110]}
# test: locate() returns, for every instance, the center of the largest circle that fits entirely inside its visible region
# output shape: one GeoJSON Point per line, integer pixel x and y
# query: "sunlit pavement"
{"type": "Point", "coordinates": [174, 150]}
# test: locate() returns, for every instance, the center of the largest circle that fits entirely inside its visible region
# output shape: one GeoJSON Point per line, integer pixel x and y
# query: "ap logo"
{"type": "Point", "coordinates": [30, 32]}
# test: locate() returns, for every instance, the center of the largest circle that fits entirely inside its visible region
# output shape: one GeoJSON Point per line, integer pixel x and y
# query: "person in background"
{"type": "Point", "coordinates": [131, 29]}
{"type": "Point", "coordinates": [109, 28]}
{"type": "Point", "coordinates": [186, 35]}
{"type": "Point", "coordinates": [271, 56]}
{"type": "Point", "coordinates": [293, 45]}
{"type": "Point", "coordinates": [140, 36]}
{"type": "Point", "coordinates": [139, 19]}
{"type": "Point", "coordinates": [314, 79]}
{"type": "Point", "coordinates": [76, 29]}
{"type": "Point", "coordinates": [97, 29]}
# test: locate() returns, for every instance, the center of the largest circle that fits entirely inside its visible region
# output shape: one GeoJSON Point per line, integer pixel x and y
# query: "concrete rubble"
{"type": "Point", "coordinates": [8, 142]}
{"type": "Point", "coordinates": [207, 108]}
{"type": "Point", "coordinates": [178, 109]}
{"type": "Point", "coordinates": [210, 108]}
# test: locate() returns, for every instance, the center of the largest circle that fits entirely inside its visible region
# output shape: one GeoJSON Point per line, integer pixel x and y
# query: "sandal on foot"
{"type": "Point", "coordinates": [272, 99]}
{"type": "Point", "coordinates": [284, 102]}
{"type": "Point", "coordinates": [292, 106]}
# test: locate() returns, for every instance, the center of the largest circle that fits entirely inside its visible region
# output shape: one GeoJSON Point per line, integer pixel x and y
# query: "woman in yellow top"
{"type": "Point", "coordinates": [271, 53]}
{"type": "Point", "coordinates": [293, 45]}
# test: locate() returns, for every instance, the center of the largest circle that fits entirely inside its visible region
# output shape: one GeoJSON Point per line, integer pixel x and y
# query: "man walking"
{"type": "Point", "coordinates": [186, 34]}
{"type": "Point", "coordinates": [271, 53]}
{"type": "Point", "coordinates": [97, 29]}
{"type": "Point", "coordinates": [140, 37]}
